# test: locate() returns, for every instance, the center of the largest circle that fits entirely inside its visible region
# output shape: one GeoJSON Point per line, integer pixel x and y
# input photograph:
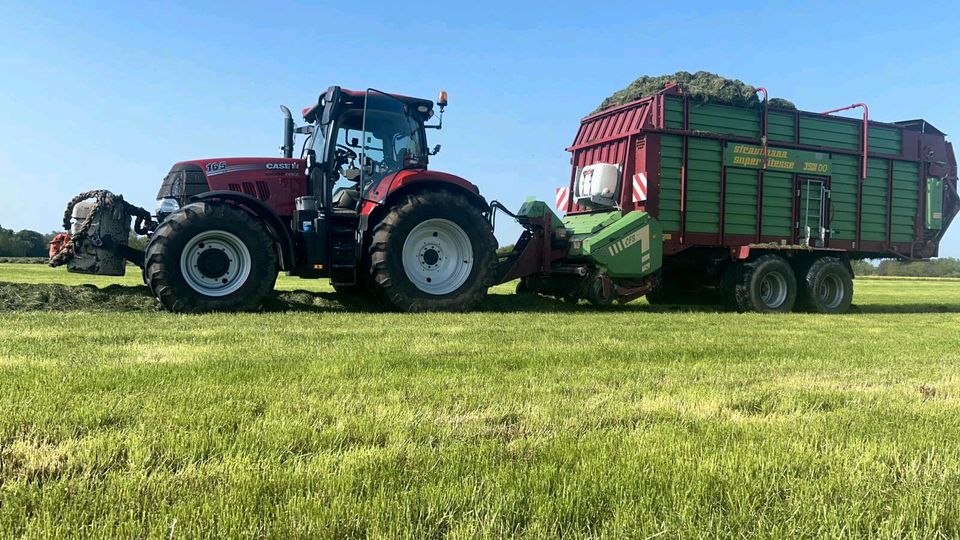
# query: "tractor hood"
{"type": "Point", "coordinates": [267, 166]}
{"type": "Point", "coordinates": [276, 181]}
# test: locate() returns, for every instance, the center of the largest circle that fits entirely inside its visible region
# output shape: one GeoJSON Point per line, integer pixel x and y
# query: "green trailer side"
{"type": "Point", "coordinates": [740, 193]}
{"type": "Point", "coordinates": [702, 193]}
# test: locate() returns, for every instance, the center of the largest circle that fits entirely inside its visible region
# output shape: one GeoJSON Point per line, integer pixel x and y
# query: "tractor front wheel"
{"type": "Point", "coordinates": [210, 257]}
{"type": "Point", "coordinates": [434, 251]}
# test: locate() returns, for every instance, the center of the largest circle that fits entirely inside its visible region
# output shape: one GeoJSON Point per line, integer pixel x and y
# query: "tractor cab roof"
{"type": "Point", "coordinates": [355, 99]}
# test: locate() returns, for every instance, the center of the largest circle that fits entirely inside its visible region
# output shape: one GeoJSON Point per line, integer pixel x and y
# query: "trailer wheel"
{"type": "Point", "coordinates": [210, 257]}
{"type": "Point", "coordinates": [766, 285]}
{"type": "Point", "coordinates": [728, 286]}
{"type": "Point", "coordinates": [827, 287]}
{"type": "Point", "coordinates": [434, 251]}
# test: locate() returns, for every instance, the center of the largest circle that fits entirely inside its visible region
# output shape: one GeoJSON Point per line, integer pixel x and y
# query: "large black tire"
{"type": "Point", "coordinates": [728, 286]}
{"type": "Point", "coordinates": [827, 287]}
{"type": "Point", "coordinates": [386, 252]}
{"type": "Point", "coordinates": [249, 279]}
{"type": "Point", "coordinates": [766, 285]}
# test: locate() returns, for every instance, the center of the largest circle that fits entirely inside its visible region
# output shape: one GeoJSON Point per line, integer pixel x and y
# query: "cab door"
{"type": "Point", "coordinates": [813, 227]}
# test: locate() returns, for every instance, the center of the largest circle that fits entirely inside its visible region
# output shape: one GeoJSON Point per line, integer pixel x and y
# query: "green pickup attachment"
{"type": "Point", "coordinates": [533, 208]}
{"type": "Point", "coordinates": [626, 246]}
{"type": "Point", "coordinates": [600, 256]}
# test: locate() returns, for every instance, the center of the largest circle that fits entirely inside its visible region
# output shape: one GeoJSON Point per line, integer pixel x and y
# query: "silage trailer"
{"type": "Point", "coordinates": [668, 197]}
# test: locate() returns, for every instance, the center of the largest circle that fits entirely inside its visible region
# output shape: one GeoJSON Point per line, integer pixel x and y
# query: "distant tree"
{"type": "Point", "coordinates": [24, 243]}
{"type": "Point", "coordinates": [138, 242]}
{"type": "Point", "coordinates": [32, 243]}
{"type": "Point", "coordinates": [6, 242]}
{"type": "Point", "coordinates": [945, 267]}
{"type": "Point", "coordinates": [863, 268]}
{"type": "Point", "coordinates": [27, 243]}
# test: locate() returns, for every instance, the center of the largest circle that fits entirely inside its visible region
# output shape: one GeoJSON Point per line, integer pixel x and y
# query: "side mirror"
{"type": "Point", "coordinates": [436, 150]}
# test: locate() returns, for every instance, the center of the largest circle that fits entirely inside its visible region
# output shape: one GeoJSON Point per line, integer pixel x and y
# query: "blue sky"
{"type": "Point", "coordinates": [111, 94]}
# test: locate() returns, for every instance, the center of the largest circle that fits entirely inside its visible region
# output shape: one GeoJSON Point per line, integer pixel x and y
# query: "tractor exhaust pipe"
{"type": "Point", "coordinates": [287, 147]}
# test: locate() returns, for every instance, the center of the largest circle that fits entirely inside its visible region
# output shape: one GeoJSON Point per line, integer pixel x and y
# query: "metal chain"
{"type": "Point", "coordinates": [104, 200]}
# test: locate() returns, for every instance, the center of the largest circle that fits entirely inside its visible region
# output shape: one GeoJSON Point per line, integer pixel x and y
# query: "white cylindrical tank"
{"type": "Point", "coordinates": [598, 184]}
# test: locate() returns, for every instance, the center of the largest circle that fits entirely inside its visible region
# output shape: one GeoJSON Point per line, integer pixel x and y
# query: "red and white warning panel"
{"type": "Point", "coordinates": [640, 187]}
{"type": "Point", "coordinates": [563, 197]}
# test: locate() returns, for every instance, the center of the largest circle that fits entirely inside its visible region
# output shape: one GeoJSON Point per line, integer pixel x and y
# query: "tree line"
{"type": "Point", "coordinates": [945, 267]}
{"type": "Point", "coordinates": [27, 243]}
{"type": "Point", "coordinates": [24, 243]}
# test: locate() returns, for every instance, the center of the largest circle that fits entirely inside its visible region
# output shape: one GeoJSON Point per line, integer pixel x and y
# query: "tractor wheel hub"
{"type": "Point", "coordinates": [430, 255]}
{"type": "Point", "coordinates": [213, 263]}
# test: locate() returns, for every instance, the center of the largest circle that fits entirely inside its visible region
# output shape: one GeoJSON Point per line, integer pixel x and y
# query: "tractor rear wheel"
{"type": "Point", "coordinates": [827, 287]}
{"type": "Point", "coordinates": [766, 285]}
{"type": "Point", "coordinates": [434, 251]}
{"type": "Point", "coordinates": [210, 257]}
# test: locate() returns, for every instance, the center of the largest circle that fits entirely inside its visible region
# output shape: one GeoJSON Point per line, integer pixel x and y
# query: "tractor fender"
{"type": "Point", "coordinates": [408, 181]}
{"type": "Point", "coordinates": [275, 225]}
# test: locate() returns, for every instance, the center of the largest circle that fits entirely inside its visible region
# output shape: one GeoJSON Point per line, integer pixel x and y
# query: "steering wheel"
{"type": "Point", "coordinates": [344, 153]}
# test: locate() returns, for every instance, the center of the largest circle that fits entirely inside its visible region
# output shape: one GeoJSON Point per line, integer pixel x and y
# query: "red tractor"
{"type": "Point", "coordinates": [360, 206]}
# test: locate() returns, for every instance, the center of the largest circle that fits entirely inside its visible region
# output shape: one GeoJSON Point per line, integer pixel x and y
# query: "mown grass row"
{"type": "Point", "coordinates": [340, 423]}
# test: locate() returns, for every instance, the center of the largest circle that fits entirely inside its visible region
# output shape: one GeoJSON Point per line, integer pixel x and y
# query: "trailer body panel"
{"type": "Point", "coordinates": [725, 176]}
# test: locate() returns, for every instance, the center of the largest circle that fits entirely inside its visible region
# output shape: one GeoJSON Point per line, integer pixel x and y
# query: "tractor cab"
{"type": "Point", "coordinates": [358, 139]}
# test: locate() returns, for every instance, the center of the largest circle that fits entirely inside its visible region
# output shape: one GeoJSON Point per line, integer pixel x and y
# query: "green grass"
{"type": "Point", "coordinates": [528, 419]}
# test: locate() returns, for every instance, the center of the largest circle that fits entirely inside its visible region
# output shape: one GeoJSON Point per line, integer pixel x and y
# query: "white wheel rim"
{"type": "Point", "coordinates": [773, 290]}
{"type": "Point", "coordinates": [215, 263]}
{"type": "Point", "coordinates": [437, 256]}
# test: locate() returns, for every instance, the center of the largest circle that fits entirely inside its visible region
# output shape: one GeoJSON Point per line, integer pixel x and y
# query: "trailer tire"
{"type": "Point", "coordinates": [728, 286]}
{"type": "Point", "coordinates": [827, 287]}
{"type": "Point", "coordinates": [210, 257]}
{"type": "Point", "coordinates": [766, 285]}
{"type": "Point", "coordinates": [401, 252]}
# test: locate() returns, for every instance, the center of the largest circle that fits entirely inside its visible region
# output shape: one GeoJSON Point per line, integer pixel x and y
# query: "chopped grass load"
{"type": "Point", "coordinates": [701, 86]}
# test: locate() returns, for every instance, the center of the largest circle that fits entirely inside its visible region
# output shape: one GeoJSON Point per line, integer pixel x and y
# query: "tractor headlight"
{"type": "Point", "coordinates": [165, 207]}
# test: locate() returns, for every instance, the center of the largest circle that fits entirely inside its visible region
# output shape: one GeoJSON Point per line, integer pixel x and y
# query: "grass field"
{"type": "Point", "coordinates": [529, 418]}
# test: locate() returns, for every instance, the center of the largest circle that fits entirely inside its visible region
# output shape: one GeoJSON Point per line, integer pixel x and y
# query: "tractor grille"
{"type": "Point", "coordinates": [258, 189]}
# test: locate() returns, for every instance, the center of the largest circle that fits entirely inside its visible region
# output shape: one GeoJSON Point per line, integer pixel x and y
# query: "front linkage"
{"type": "Point", "coordinates": [97, 234]}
